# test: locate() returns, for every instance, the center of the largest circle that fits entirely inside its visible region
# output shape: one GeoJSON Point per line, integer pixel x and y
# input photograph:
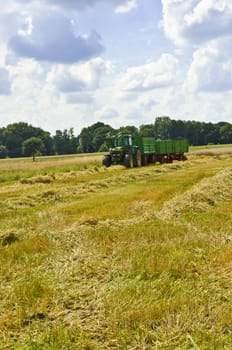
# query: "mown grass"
{"type": "Point", "coordinates": [96, 258]}
{"type": "Point", "coordinates": [22, 168]}
{"type": "Point", "coordinates": [209, 147]}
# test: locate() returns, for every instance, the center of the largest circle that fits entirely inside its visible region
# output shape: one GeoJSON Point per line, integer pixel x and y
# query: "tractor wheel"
{"type": "Point", "coordinates": [106, 161]}
{"type": "Point", "coordinates": [138, 159]}
{"type": "Point", "coordinates": [128, 161]}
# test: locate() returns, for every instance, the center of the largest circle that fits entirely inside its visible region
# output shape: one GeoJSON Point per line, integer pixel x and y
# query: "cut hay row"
{"type": "Point", "coordinates": [33, 191]}
{"type": "Point", "coordinates": [201, 197]}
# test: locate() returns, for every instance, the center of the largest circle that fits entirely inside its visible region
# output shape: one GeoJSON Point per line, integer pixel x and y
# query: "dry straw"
{"type": "Point", "coordinates": [201, 197]}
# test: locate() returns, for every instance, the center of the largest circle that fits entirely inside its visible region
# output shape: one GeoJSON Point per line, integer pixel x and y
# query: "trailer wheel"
{"type": "Point", "coordinates": [183, 157]}
{"type": "Point", "coordinates": [106, 161]}
{"type": "Point", "coordinates": [128, 161]}
{"type": "Point", "coordinates": [144, 159]}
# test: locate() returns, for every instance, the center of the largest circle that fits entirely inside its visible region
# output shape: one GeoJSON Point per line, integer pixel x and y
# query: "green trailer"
{"type": "Point", "coordinates": [135, 151]}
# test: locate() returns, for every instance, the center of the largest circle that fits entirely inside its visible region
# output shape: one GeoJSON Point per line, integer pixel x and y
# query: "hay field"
{"type": "Point", "coordinates": [95, 258]}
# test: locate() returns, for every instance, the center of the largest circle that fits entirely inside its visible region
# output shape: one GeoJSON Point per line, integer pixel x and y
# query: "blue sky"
{"type": "Point", "coordinates": [124, 62]}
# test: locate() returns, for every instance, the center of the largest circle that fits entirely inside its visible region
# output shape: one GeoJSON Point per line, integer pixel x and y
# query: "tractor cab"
{"type": "Point", "coordinates": [119, 145]}
{"type": "Point", "coordinates": [119, 142]}
{"type": "Point", "coordinates": [123, 141]}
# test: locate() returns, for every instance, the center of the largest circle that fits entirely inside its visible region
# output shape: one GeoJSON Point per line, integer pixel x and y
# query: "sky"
{"type": "Point", "coordinates": [70, 63]}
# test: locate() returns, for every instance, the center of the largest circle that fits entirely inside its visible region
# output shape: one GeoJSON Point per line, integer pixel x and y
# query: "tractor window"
{"type": "Point", "coordinates": [116, 143]}
{"type": "Point", "coordinates": [123, 141]}
{"type": "Point", "coordinates": [128, 141]}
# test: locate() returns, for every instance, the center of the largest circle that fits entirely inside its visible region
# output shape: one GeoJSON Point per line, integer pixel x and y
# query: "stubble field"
{"type": "Point", "coordinates": [95, 258]}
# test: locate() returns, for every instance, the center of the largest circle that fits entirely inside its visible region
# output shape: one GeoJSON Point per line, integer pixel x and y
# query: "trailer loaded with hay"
{"type": "Point", "coordinates": [135, 151]}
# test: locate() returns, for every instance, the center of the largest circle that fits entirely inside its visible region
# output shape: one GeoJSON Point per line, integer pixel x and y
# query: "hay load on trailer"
{"type": "Point", "coordinates": [135, 151]}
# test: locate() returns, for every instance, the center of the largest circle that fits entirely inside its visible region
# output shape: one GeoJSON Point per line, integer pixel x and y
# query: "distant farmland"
{"type": "Point", "coordinates": [95, 258]}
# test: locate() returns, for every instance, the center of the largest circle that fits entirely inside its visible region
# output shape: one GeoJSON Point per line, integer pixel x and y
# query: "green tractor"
{"type": "Point", "coordinates": [135, 151]}
{"type": "Point", "coordinates": [124, 149]}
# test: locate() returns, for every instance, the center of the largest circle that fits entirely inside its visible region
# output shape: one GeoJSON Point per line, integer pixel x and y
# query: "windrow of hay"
{"type": "Point", "coordinates": [45, 179]}
{"type": "Point", "coordinates": [50, 188]}
{"type": "Point", "coordinates": [201, 197]}
{"type": "Point", "coordinates": [30, 200]}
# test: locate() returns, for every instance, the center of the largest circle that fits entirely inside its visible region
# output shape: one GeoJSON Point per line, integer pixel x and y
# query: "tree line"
{"type": "Point", "coordinates": [22, 139]}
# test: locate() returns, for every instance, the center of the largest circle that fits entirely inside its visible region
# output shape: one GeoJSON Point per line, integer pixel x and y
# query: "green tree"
{"type": "Point", "coordinates": [226, 133]}
{"type": "Point", "coordinates": [129, 129]}
{"type": "Point", "coordinates": [211, 133]}
{"type": "Point", "coordinates": [15, 134]}
{"type": "Point", "coordinates": [178, 128]}
{"type": "Point", "coordinates": [147, 130]}
{"type": "Point", "coordinates": [85, 140]}
{"type": "Point", "coordinates": [194, 132]}
{"type": "Point", "coordinates": [92, 137]}
{"type": "Point", "coordinates": [163, 126]}
{"type": "Point", "coordinates": [65, 142]}
{"type": "Point", "coordinates": [99, 136]}
{"type": "Point", "coordinates": [32, 147]}
{"type": "Point", "coordinates": [3, 151]}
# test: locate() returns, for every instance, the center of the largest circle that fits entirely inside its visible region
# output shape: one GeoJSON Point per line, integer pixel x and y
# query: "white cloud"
{"type": "Point", "coordinates": [5, 83]}
{"type": "Point", "coordinates": [66, 79]}
{"type": "Point", "coordinates": [76, 5]}
{"type": "Point", "coordinates": [205, 27]}
{"type": "Point", "coordinates": [152, 75]}
{"type": "Point", "coordinates": [211, 68]}
{"type": "Point", "coordinates": [196, 21]}
{"type": "Point", "coordinates": [126, 6]}
{"type": "Point", "coordinates": [121, 6]}
{"type": "Point", "coordinates": [147, 103]}
{"type": "Point", "coordinates": [50, 37]}
{"type": "Point", "coordinates": [106, 114]}
{"type": "Point", "coordinates": [8, 24]}
{"type": "Point", "coordinates": [55, 89]}
{"type": "Point", "coordinates": [28, 68]}
{"type": "Point", "coordinates": [79, 98]}
{"type": "Point", "coordinates": [205, 106]}
{"type": "Point", "coordinates": [3, 53]}
{"type": "Point", "coordinates": [79, 77]}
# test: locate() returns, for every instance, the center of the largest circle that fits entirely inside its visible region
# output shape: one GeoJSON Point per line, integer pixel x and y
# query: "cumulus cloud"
{"type": "Point", "coordinates": [66, 79]}
{"type": "Point", "coordinates": [74, 4]}
{"type": "Point", "coordinates": [79, 77]}
{"type": "Point", "coordinates": [152, 75]}
{"type": "Point", "coordinates": [51, 38]}
{"type": "Point", "coordinates": [126, 6]}
{"type": "Point", "coordinates": [196, 21]}
{"type": "Point", "coordinates": [78, 5]}
{"type": "Point", "coordinates": [211, 68]}
{"type": "Point", "coordinates": [9, 22]}
{"type": "Point", "coordinates": [122, 6]}
{"type": "Point", "coordinates": [5, 83]}
{"type": "Point", "coordinates": [206, 26]}
{"type": "Point", "coordinates": [79, 98]}
{"type": "Point", "coordinates": [147, 103]}
{"type": "Point", "coordinates": [106, 114]}
{"type": "Point", "coordinates": [49, 35]}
